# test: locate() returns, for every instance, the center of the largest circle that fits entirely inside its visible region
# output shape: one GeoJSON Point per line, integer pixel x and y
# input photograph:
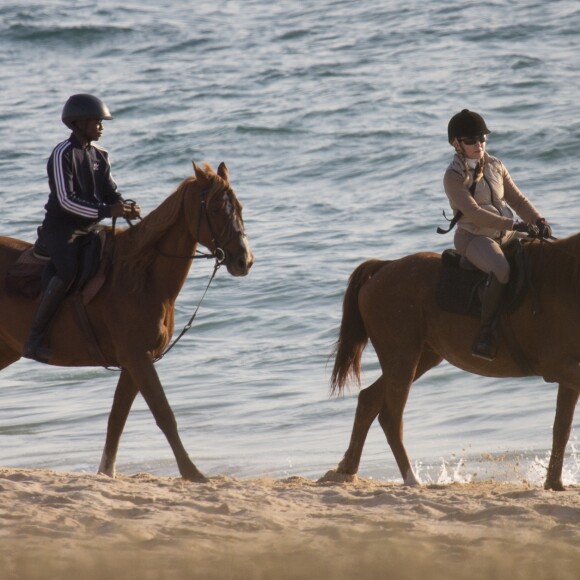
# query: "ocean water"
{"type": "Point", "coordinates": [331, 116]}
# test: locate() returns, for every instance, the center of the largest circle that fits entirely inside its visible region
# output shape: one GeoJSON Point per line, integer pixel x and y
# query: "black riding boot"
{"type": "Point", "coordinates": [484, 345]}
{"type": "Point", "coordinates": [49, 303]}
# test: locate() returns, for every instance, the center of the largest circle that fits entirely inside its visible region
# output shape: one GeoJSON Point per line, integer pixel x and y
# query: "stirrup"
{"type": "Point", "coordinates": [484, 346]}
{"type": "Point", "coordinates": [36, 351]}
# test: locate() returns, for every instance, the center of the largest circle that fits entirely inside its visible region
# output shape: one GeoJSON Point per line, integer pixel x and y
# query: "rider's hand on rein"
{"type": "Point", "coordinates": [532, 230]}
{"type": "Point", "coordinates": [545, 230]}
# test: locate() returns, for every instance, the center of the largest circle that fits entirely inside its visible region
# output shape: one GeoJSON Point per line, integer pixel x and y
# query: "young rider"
{"type": "Point", "coordinates": [479, 189]}
{"type": "Point", "coordinates": [82, 192]}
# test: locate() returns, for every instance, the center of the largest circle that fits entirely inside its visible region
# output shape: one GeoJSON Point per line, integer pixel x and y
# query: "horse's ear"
{"type": "Point", "coordinates": [223, 171]}
{"type": "Point", "coordinates": [199, 173]}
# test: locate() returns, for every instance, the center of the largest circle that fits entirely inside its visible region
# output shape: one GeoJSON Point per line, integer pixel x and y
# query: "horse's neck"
{"type": "Point", "coordinates": [154, 255]}
{"type": "Point", "coordinates": [571, 244]}
{"type": "Point", "coordinates": [557, 265]}
{"type": "Point", "coordinates": [171, 264]}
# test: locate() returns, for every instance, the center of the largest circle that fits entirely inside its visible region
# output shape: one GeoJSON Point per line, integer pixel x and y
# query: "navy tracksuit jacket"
{"type": "Point", "coordinates": [82, 191]}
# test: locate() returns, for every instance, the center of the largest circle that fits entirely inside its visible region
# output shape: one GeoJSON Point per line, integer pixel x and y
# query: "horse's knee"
{"type": "Point", "coordinates": [554, 485]}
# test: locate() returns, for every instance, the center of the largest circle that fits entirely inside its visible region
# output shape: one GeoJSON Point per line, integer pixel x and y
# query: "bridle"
{"type": "Point", "coordinates": [218, 253]}
{"type": "Point", "coordinates": [229, 231]}
{"type": "Point", "coordinates": [217, 241]}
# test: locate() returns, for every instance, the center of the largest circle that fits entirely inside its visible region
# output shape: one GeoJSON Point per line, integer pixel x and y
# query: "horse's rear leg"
{"type": "Point", "coordinates": [123, 400]}
{"type": "Point", "coordinates": [391, 421]}
{"type": "Point", "coordinates": [565, 406]}
{"type": "Point", "coordinates": [370, 402]}
{"type": "Point", "coordinates": [391, 415]}
{"type": "Point", "coordinates": [387, 397]}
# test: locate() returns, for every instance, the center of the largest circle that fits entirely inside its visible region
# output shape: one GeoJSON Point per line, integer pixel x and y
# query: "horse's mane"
{"type": "Point", "coordinates": [139, 243]}
{"type": "Point", "coordinates": [558, 261]}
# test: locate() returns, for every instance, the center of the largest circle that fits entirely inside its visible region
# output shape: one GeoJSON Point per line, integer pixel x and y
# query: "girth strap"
{"type": "Point", "coordinates": [514, 348]}
{"type": "Point", "coordinates": [86, 327]}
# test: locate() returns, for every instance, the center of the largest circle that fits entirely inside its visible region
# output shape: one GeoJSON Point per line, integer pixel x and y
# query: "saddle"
{"type": "Point", "coordinates": [25, 277]}
{"type": "Point", "coordinates": [461, 284]}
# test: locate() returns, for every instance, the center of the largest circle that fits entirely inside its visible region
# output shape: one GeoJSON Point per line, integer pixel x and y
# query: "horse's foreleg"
{"type": "Point", "coordinates": [144, 374]}
{"type": "Point", "coordinates": [565, 406]}
{"type": "Point", "coordinates": [370, 401]}
{"type": "Point", "coordinates": [123, 400]}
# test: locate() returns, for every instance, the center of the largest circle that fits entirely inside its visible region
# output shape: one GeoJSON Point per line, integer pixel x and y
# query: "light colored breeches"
{"type": "Point", "coordinates": [484, 253]}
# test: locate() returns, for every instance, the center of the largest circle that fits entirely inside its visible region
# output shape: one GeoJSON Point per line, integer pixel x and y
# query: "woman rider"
{"type": "Point", "coordinates": [82, 192]}
{"type": "Point", "coordinates": [479, 189]}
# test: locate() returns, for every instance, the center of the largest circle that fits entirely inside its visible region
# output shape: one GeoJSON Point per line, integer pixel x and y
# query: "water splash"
{"type": "Point", "coordinates": [506, 467]}
{"type": "Point", "coordinates": [449, 472]}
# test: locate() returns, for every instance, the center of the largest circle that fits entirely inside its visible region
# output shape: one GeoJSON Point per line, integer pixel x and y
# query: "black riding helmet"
{"type": "Point", "coordinates": [84, 106]}
{"type": "Point", "coordinates": [466, 124]}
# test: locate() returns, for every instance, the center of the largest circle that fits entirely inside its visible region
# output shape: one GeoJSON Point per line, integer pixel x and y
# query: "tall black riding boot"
{"type": "Point", "coordinates": [484, 345]}
{"type": "Point", "coordinates": [49, 303]}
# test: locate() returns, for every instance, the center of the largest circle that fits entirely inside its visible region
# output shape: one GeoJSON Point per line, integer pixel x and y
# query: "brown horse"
{"type": "Point", "coordinates": [393, 303]}
{"type": "Point", "coordinates": [132, 316]}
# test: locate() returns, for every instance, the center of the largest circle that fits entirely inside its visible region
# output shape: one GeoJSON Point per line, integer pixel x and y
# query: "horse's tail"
{"type": "Point", "coordinates": [353, 337]}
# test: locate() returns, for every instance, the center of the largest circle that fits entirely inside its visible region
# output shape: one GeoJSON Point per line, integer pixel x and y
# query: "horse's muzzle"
{"type": "Point", "coordinates": [239, 264]}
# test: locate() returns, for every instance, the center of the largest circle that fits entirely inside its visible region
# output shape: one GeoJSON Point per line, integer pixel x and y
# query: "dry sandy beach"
{"type": "Point", "coordinates": [69, 525]}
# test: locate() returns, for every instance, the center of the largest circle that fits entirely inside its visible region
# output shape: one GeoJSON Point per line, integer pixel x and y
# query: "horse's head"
{"type": "Point", "coordinates": [221, 227]}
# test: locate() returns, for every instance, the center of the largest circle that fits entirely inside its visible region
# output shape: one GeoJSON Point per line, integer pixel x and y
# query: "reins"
{"type": "Point", "coordinates": [192, 317]}
{"type": "Point", "coordinates": [550, 241]}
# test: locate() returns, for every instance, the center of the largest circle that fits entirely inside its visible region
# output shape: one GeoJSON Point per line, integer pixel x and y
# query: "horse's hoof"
{"type": "Point", "coordinates": [554, 486]}
{"type": "Point", "coordinates": [195, 476]}
{"type": "Point", "coordinates": [335, 476]}
{"type": "Point", "coordinates": [411, 480]}
{"type": "Point", "coordinates": [107, 473]}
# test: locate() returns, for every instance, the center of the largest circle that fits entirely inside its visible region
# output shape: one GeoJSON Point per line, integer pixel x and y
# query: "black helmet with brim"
{"type": "Point", "coordinates": [84, 106]}
{"type": "Point", "coordinates": [466, 123]}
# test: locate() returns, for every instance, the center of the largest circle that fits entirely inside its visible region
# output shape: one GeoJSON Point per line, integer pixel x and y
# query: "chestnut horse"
{"type": "Point", "coordinates": [393, 304]}
{"type": "Point", "coordinates": [132, 316]}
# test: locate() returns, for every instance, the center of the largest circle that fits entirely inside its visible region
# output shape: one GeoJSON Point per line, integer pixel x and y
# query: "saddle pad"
{"type": "Point", "coordinates": [458, 288]}
{"type": "Point", "coordinates": [24, 276]}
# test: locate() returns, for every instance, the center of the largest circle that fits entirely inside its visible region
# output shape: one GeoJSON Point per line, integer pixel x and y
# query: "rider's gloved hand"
{"type": "Point", "coordinates": [545, 231]}
{"type": "Point", "coordinates": [532, 230]}
{"type": "Point", "coordinates": [132, 209]}
{"type": "Point", "coordinates": [127, 209]}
